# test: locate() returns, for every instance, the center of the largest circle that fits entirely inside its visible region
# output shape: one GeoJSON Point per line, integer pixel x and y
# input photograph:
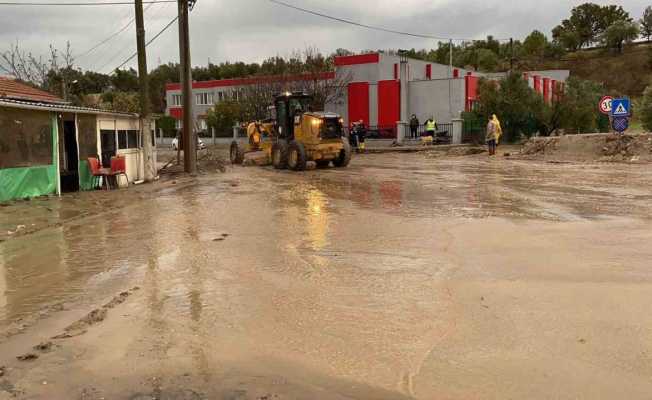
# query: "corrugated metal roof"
{"type": "Point", "coordinates": [12, 89]}
{"type": "Point", "coordinates": [31, 105]}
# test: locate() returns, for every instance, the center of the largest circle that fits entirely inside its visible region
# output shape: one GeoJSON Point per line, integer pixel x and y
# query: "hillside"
{"type": "Point", "coordinates": [622, 74]}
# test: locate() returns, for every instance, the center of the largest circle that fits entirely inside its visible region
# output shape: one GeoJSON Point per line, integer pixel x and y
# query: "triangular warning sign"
{"type": "Point", "coordinates": [620, 109]}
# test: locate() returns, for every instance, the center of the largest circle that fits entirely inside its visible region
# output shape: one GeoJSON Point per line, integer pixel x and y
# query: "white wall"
{"type": "Point", "coordinates": [440, 98]}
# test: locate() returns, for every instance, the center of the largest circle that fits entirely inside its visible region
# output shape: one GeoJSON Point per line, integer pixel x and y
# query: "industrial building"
{"type": "Point", "coordinates": [383, 91]}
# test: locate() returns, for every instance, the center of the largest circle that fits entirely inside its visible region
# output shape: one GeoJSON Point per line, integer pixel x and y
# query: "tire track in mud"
{"type": "Point", "coordinates": [406, 381]}
{"type": "Point", "coordinates": [80, 326]}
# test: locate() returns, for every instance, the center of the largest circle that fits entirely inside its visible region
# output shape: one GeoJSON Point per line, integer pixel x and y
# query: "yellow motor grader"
{"type": "Point", "coordinates": [295, 136]}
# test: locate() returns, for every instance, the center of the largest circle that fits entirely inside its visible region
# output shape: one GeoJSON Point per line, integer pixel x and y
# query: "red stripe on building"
{"type": "Point", "coordinates": [537, 83]}
{"type": "Point", "coordinates": [251, 81]}
{"type": "Point", "coordinates": [389, 103]}
{"type": "Point", "coordinates": [546, 89]}
{"type": "Point", "coordinates": [471, 91]}
{"type": "Point", "coordinates": [358, 102]}
{"type": "Point", "coordinates": [553, 87]}
{"type": "Point", "coordinates": [373, 58]}
{"type": "Point", "coordinates": [176, 113]}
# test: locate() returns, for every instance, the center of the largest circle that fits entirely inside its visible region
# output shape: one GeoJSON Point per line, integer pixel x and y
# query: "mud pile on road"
{"type": "Point", "coordinates": [604, 147]}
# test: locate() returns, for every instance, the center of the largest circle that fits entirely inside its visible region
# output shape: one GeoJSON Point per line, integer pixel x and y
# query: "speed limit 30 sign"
{"type": "Point", "coordinates": [605, 104]}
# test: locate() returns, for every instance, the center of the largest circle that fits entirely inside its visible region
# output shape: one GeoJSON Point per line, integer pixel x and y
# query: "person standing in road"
{"type": "Point", "coordinates": [491, 137]}
{"type": "Point", "coordinates": [414, 126]}
{"type": "Point", "coordinates": [499, 129]}
{"type": "Point", "coordinates": [431, 127]}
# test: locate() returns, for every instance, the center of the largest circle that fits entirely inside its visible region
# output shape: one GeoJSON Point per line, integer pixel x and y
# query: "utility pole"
{"type": "Point", "coordinates": [145, 126]}
{"type": "Point", "coordinates": [450, 61]}
{"type": "Point", "coordinates": [511, 57]}
{"type": "Point", "coordinates": [189, 140]}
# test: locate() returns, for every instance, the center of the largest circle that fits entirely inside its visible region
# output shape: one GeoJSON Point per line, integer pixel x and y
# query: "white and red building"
{"type": "Point", "coordinates": [383, 89]}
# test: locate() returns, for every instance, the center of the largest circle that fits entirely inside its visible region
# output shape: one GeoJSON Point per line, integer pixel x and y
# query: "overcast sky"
{"type": "Point", "coordinates": [252, 30]}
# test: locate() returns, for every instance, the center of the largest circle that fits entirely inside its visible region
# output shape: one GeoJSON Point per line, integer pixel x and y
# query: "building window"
{"type": "Point", "coordinates": [204, 99]}
{"type": "Point", "coordinates": [128, 139]}
{"type": "Point", "coordinates": [220, 96]}
{"type": "Point", "coordinates": [202, 125]}
{"type": "Point", "coordinates": [176, 100]}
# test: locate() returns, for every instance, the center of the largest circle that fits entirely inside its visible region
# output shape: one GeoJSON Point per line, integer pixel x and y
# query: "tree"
{"type": "Point", "coordinates": [513, 101]}
{"type": "Point", "coordinates": [125, 80]}
{"type": "Point", "coordinates": [646, 108]}
{"type": "Point", "coordinates": [163, 74]}
{"type": "Point", "coordinates": [646, 23]}
{"type": "Point", "coordinates": [121, 101]}
{"type": "Point", "coordinates": [585, 20]}
{"type": "Point", "coordinates": [487, 60]}
{"type": "Point", "coordinates": [610, 15]}
{"type": "Point", "coordinates": [224, 115]}
{"type": "Point", "coordinates": [619, 33]}
{"type": "Point", "coordinates": [567, 38]}
{"type": "Point", "coordinates": [168, 125]}
{"type": "Point", "coordinates": [535, 44]}
{"type": "Point", "coordinates": [587, 23]}
{"type": "Point", "coordinates": [28, 68]}
{"type": "Point", "coordinates": [580, 114]}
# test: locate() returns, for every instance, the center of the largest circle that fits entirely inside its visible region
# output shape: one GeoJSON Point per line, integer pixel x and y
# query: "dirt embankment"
{"type": "Point", "coordinates": [604, 147]}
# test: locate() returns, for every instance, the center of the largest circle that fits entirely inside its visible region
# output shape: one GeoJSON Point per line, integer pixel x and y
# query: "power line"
{"type": "Point", "coordinates": [105, 61]}
{"type": "Point", "coordinates": [124, 28]}
{"type": "Point", "coordinates": [114, 3]}
{"type": "Point", "coordinates": [149, 42]}
{"type": "Point", "coordinates": [376, 28]}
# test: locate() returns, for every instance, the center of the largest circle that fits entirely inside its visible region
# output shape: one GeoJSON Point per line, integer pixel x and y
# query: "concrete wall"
{"type": "Point", "coordinates": [358, 73]}
{"type": "Point", "coordinates": [417, 68]}
{"type": "Point", "coordinates": [431, 98]}
{"type": "Point", "coordinates": [558, 75]}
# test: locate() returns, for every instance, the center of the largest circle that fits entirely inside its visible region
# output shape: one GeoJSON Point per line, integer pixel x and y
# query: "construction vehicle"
{"type": "Point", "coordinates": [294, 135]}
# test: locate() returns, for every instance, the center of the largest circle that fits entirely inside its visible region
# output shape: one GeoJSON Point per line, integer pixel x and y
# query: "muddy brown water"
{"type": "Point", "coordinates": [404, 276]}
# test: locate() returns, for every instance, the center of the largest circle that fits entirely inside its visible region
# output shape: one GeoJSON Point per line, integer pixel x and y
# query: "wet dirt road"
{"type": "Point", "coordinates": [401, 277]}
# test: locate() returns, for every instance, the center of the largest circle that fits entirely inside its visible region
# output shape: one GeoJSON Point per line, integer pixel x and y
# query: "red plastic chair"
{"type": "Point", "coordinates": [119, 167]}
{"type": "Point", "coordinates": [98, 172]}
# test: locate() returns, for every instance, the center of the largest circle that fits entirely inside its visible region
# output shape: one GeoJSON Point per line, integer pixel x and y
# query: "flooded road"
{"type": "Point", "coordinates": [401, 277]}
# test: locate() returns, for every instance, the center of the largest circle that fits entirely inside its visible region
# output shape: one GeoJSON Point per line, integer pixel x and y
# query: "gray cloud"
{"type": "Point", "coordinates": [252, 30]}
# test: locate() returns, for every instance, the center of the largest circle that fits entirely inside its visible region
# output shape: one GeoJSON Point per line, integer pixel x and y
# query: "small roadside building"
{"type": "Point", "coordinates": [45, 143]}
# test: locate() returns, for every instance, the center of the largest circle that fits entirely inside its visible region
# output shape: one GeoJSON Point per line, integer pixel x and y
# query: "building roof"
{"type": "Point", "coordinates": [253, 80]}
{"type": "Point", "coordinates": [42, 106]}
{"type": "Point", "coordinates": [12, 89]}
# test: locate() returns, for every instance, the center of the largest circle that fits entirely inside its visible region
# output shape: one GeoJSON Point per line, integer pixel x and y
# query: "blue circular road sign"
{"type": "Point", "coordinates": [620, 124]}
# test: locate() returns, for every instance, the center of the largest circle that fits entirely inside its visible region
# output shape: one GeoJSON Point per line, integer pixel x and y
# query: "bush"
{"type": "Point", "coordinates": [515, 104]}
{"type": "Point", "coordinates": [646, 109]}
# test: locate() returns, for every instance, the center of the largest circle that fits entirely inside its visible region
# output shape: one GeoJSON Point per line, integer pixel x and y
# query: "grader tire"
{"type": "Point", "coordinates": [236, 154]}
{"type": "Point", "coordinates": [297, 158]}
{"type": "Point", "coordinates": [344, 157]}
{"type": "Point", "coordinates": [280, 154]}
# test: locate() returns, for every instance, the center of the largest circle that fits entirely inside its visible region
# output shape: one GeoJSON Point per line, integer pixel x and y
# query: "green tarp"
{"type": "Point", "coordinates": [86, 180]}
{"type": "Point", "coordinates": [23, 182]}
{"type": "Point", "coordinates": [19, 183]}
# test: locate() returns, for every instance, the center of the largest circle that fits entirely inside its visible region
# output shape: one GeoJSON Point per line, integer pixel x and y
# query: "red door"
{"type": "Point", "coordinates": [389, 107]}
{"type": "Point", "coordinates": [359, 102]}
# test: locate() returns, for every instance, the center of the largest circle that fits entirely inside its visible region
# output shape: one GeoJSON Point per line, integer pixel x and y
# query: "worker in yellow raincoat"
{"type": "Point", "coordinates": [499, 129]}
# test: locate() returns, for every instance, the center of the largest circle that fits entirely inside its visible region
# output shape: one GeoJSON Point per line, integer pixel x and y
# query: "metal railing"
{"type": "Point", "coordinates": [473, 132]}
{"type": "Point", "coordinates": [443, 134]}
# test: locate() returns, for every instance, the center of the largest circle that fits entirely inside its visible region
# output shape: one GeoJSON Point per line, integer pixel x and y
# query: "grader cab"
{"type": "Point", "coordinates": [296, 135]}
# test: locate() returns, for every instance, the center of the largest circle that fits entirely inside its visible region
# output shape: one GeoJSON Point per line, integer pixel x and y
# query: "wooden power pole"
{"type": "Point", "coordinates": [145, 126]}
{"type": "Point", "coordinates": [189, 139]}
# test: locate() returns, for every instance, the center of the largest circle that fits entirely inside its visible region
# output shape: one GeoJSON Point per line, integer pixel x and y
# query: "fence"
{"type": "Point", "coordinates": [473, 131]}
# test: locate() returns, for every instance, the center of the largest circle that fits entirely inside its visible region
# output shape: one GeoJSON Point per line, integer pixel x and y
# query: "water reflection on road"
{"type": "Point", "coordinates": [347, 271]}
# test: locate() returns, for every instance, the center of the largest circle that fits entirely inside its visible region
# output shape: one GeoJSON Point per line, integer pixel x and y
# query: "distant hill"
{"type": "Point", "coordinates": [622, 74]}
